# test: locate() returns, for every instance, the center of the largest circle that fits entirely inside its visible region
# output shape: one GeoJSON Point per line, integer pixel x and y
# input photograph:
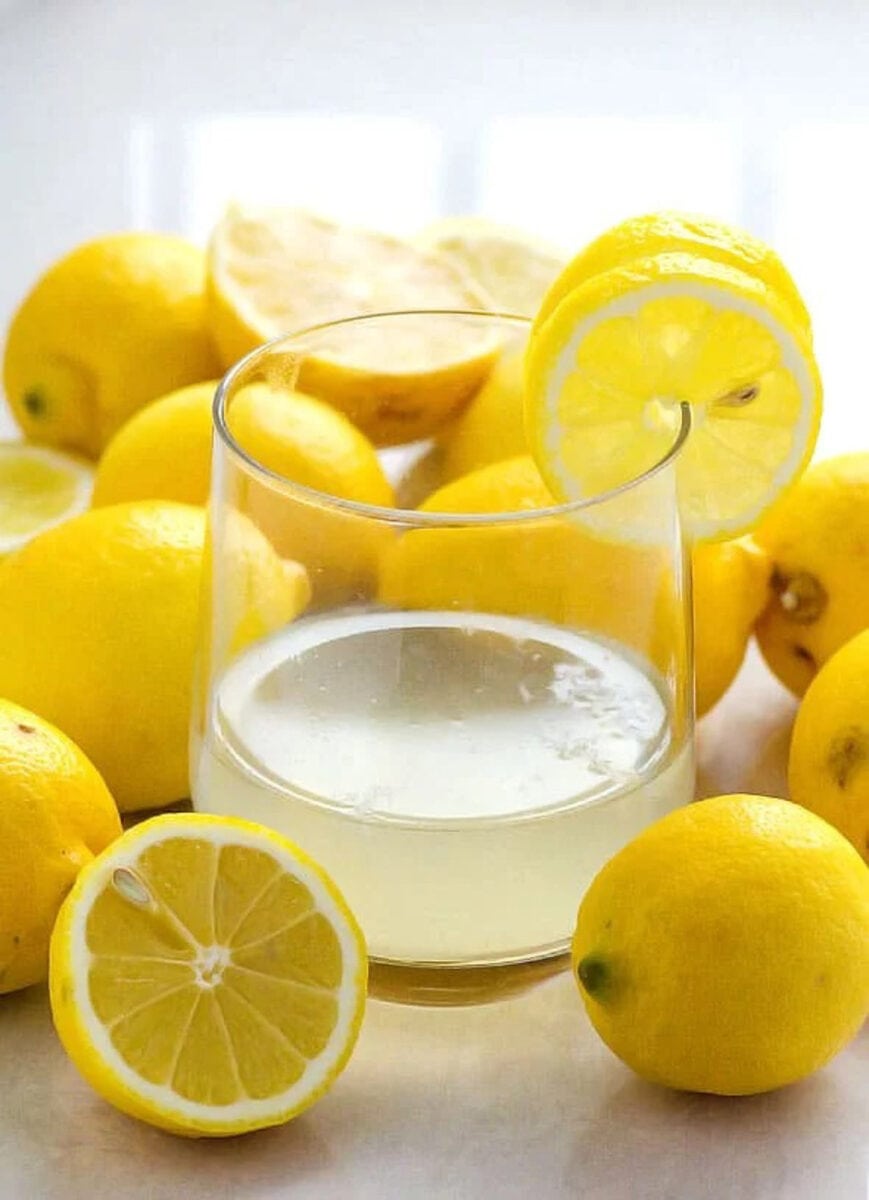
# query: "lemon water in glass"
{"type": "Point", "coordinates": [479, 701]}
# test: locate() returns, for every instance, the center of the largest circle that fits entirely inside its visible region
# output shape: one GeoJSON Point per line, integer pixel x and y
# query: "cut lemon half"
{"type": "Point", "coordinates": [614, 369]}
{"type": "Point", "coordinates": [38, 488]}
{"type": "Point", "coordinates": [513, 268]}
{"type": "Point", "coordinates": [206, 976]}
{"type": "Point", "coordinates": [283, 271]}
{"type": "Point", "coordinates": [679, 233]}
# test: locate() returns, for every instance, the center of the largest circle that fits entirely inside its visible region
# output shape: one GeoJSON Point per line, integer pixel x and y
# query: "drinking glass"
{"type": "Point", "coordinates": [465, 713]}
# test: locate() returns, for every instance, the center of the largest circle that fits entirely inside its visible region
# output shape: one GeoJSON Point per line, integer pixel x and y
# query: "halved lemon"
{"type": "Point", "coordinates": [513, 268]}
{"type": "Point", "coordinates": [206, 976]}
{"type": "Point", "coordinates": [38, 488]}
{"type": "Point", "coordinates": [614, 368]}
{"type": "Point", "coordinates": [671, 232]}
{"type": "Point", "coordinates": [284, 271]}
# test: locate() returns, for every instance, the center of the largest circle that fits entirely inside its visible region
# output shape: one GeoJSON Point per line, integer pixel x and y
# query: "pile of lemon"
{"type": "Point", "coordinates": [205, 975]}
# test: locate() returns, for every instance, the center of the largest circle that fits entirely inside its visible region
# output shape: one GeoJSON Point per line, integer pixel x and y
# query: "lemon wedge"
{"type": "Point", "coordinates": [513, 269]}
{"type": "Point", "coordinates": [206, 976]}
{"type": "Point", "coordinates": [614, 368]}
{"type": "Point", "coordinates": [284, 271]}
{"type": "Point", "coordinates": [38, 488]}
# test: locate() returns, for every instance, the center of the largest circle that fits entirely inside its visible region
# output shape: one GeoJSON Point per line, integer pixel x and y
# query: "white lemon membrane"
{"type": "Point", "coordinates": [462, 776]}
{"type": "Point", "coordinates": [628, 516]}
{"type": "Point", "coordinates": [206, 972]}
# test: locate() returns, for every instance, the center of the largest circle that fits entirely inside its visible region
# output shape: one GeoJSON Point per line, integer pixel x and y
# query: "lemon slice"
{"type": "Point", "coordinates": [206, 976]}
{"type": "Point", "coordinates": [678, 233]}
{"type": "Point", "coordinates": [611, 370]}
{"type": "Point", "coordinates": [38, 488]}
{"type": "Point", "coordinates": [285, 271]}
{"type": "Point", "coordinates": [513, 268]}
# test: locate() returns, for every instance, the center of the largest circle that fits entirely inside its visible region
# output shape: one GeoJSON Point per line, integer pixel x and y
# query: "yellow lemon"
{"type": "Point", "coordinates": [816, 541]}
{"type": "Point", "coordinates": [162, 453]}
{"type": "Point", "coordinates": [615, 368]}
{"type": "Point", "coordinates": [99, 622]}
{"type": "Point", "coordinates": [39, 488]}
{"type": "Point", "coordinates": [726, 949]}
{"type": "Point", "coordinates": [55, 815]}
{"type": "Point", "coordinates": [285, 271]}
{"type": "Point", "coordinates": [731, 590]}
{"type": "Point", "coordinates": [542, 567]}
{"type": "Point", "coordinates": [115, 323]}
{"type": "Point", "coordinates": [165, 450]}
{"type": "Point", "coordinates": [513, 269]}
{"type": "Point", "coordinates": [207, 976]}
{"type": "Point", "coordinates": [671, 232]}
{"type": "Point", "coordinates": [492, 427]}
{"type": "Point", "coordinates": [829, 755]}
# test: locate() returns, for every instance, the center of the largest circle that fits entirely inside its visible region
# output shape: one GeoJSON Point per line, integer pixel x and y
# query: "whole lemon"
{"type": "Point", "coordinates": [56, 814]}
{"type": "Point", "coordinates": [492, 427]}
{"type": "Point", "coordinates": [115, 323]}
{"type": "Point", "coordinates": [828, 768]}
{"type": "Point", "coordinates": [546, 567]}
{"type": "Point", "coordinates": [731, 590]}
{"type": "Point", "coordinates": [817, 543]}
{"type": "Point", "coordinates": [164, 452]}
{"type": "Point", "coordinates": [99, 625]}
{"type": "Point", "coordinates": [726, 949]}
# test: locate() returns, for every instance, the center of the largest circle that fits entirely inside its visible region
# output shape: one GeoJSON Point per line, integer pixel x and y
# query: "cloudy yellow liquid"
{"type": "Point", "coordinates": [462, 776]}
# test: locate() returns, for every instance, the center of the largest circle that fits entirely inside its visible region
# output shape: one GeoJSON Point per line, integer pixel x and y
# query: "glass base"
{"type": "Point", "coordinates": [451, 985]}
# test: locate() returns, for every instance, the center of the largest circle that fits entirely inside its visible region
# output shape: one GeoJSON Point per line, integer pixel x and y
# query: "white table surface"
{"type": "Point", "coordinates": [512, 1100]}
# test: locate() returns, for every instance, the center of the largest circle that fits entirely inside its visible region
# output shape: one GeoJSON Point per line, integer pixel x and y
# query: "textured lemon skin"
{"type": "Point", "coordinates": [56, 813]}
{"type": "Point", "coordinates": [829, 753]}
{"type": "Point", "coordinates": [66, 979]}
{"type": "Point", "coordinates": [99, 623]}
{"type": "Point", "coordinates": [730, 591]}
{"type": "Point", "coordinates": [816, 541]}
{"type": "Point", "coordinates": [726, 949]}
{"type": "Point", "coordinates": [163, 452]}
{"type": "Point", "coordinates": [111, 326]}
{"type": "Point", "coordinates": [671, 232]}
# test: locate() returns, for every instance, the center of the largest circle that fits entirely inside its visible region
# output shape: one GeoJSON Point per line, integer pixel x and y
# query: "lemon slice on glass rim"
{"type": "Point", "coordinates": [39, 487]}
{"type": "Point", "coordinates": [206, 976]}
{"type": "Point", "coordinates": [633, 356]}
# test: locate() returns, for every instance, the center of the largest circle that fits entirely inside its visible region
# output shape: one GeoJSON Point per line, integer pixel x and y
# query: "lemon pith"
{"type": "Point", "coordinates": [206, 976]}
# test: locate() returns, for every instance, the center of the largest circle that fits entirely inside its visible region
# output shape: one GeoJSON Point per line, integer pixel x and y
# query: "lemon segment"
{"type": "Point", "coordinates": [207, 976]}
{"type": "Point", "coordinates": [283, 272]}
{"type": "Point", "coordinates": [38, 488]}
{"type": "Point", "coordinates": [671, 232]}
{"type": "Point", "coordinates": [610, 372]}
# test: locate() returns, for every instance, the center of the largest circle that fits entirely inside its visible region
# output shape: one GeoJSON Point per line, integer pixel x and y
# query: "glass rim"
{"type": "Point", "coordinates": [409, 516]}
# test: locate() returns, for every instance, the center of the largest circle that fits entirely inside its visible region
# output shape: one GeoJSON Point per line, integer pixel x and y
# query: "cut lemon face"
{"type": "Point", "coordinates": [38, 488]}
{"type": "Point", "coordinates": [284, 271]}
{"type": "Point", "coordinates": [513, 269]}
{"type": "Point", "coordinates": [206, 976]}
{"type": "Point", "coordinates": [612, 371]}
{"type": "Point", "coordinates": [678, 233]}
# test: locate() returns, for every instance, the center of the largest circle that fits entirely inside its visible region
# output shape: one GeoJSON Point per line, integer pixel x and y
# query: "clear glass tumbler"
{"type": "Point", "coordinates": [464, 714]}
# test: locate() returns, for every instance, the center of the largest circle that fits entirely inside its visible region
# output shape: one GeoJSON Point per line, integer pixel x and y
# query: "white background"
{"type": "Point", "coordinates": [559, 115]}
